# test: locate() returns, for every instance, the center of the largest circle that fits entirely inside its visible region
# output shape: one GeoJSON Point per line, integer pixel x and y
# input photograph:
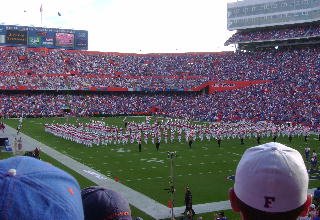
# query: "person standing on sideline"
{"type": "Point", "coordinates": [190, 141]}
{"type": "Point", "coordinates": [290, 137]}
{"type": "Point", "coordinates": [139, 143]}
{"type": "Point", "coordinates": [157, 143]}
{"type": "Point", "coordinates": [307, 152]}
{"type": "Point", "coordinates": [314, 153]}
{"type": "Point", "coordinates": [306, 137]}
{"type": "Point", "coordinates": [188, 201]}
{"type": "Point", "coordinates": [241, 140]}
{"type": "Point", "coordinates": [125, 122]}
{"type": "Point", "coordinates": [314, 163]}
{"type": "Point", "coordinates": [19, 126]}
{"type": "Point", "coordinates": [221, 216]}
{"type": "Point", "coordinates": [271, 183]}
{"type": "Point", "coordinates": [258, 138]}
{"type": "Point", "coordinates": [37, 153]}
{"type": "Point", "coordinates": [20, 144]}
{"type": "Point", "coordinates": [219, 141]}
{"type": "Point", "coordinates": [2, 127]}
{"type": "Point", "coordinates": [15, 146]}
{"type": "Point", "coordinates": [274, 137]}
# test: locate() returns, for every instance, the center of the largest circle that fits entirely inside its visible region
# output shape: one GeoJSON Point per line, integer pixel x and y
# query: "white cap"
{"type": "Point", "coordinates": [12, 172]}
{"type": "Point", "coordinates": [272, 178]}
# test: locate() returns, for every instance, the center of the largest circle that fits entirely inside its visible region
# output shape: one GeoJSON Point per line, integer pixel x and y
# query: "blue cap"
{"type": "Point", "coordinates": [100, 203]}
{"type": "Point", "coordinates": [33, 189]}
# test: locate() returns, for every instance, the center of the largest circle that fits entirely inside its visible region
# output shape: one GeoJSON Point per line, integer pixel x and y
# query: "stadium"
{"type": "Point", "coordinates": [148, 125]}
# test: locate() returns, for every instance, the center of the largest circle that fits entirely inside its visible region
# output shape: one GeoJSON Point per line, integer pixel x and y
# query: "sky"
{"type": "Point", "coordinates": [132, 26]}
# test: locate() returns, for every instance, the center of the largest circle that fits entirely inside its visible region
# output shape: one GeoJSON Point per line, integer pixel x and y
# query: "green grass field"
{"type": "Point", "coordinates": [204, 167]}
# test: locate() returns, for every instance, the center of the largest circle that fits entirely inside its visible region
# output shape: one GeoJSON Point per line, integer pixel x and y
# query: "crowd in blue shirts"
{"type": "Point", "coordinates": [291, 95]}
{"type": "Point", "coordinates": [281, 33]}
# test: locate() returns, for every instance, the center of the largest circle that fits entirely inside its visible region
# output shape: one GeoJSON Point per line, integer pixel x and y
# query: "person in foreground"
{"type": "Point", "coordinates": [100, 203]}
{"type": "Point", "coordinates": [271, 183]}
{"type": "Point", "coordinates": [33, 189]}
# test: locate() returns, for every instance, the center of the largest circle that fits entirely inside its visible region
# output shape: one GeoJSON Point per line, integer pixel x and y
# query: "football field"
{"type": "Point", "coordinates": [205, 167]}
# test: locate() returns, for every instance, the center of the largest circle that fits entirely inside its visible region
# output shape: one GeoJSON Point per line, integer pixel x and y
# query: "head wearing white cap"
{"type": "Point", "coordinates": [272, 178]}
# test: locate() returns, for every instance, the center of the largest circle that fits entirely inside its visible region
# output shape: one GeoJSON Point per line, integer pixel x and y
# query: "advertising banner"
{"type": "Point", "coordinates": [16, 37]}
{"type": "Point", "coordinates": [81, 40]}
{"type": "Point", "coordinates": [41, 39]}
{"type": "Point", "coordinates": [64, 40]}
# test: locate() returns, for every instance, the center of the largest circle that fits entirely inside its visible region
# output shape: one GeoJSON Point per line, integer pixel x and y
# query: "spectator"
{"type": "Point", "coordinates": [316, 196]}
{"type": "Point", "coordinates": [271, 183]}
{"type": "Point", "coordinates": [188, 201]}
{"type": "Point", "coordinates": [307, 217]}
{"type": "Point", "coordinates": [312, 211]}
{"type": "Point", "coordinates": [100, 203]}
{"type": "Point", "coordinates": [317, 217]}
{"type": "Point", "coordinates": [187, 216]}
{"type": "Point", "coordinates": [32, 189]}
{"type": "Point", "coordinates": [221, 216]}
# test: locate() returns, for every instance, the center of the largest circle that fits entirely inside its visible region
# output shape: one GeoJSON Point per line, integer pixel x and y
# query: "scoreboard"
{"type": "Point", "coordinates": [11, 35]}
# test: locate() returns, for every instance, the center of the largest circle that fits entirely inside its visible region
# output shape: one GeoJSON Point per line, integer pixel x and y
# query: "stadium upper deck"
{"type": "Point", "coordinates": [273, 23]}
{"type": "Point", "coordinates": [308, 31]}
{"type": "Point", "coordinates": [58, 69]}
{"type": "Point", "coordinates": [265, 13]}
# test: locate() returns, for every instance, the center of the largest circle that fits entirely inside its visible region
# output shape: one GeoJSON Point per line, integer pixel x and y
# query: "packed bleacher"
{"type": "Point", "coordinates": [272, 101]}
{"type": "Point", "coordinates": [60, 82]}
{"type": "Point", "coordinates": [35, 68]}
{"type": "Point", "coordinates": [37, 61]}
{"type": "Point", "coordinates": [293, 94]}
{"type": "Point", "coordinates": [271, 34]}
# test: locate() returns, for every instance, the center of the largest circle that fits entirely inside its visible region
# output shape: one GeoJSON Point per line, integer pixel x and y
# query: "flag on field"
{"type": "Point", "coordinates": [41, 9]}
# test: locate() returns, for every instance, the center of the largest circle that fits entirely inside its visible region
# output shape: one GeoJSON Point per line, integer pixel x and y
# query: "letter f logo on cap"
{"type": "Point", "coordinates": [268, 201]}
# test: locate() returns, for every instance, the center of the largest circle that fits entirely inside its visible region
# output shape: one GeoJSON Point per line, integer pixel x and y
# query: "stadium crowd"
{"type": "Point", "coordinates": [45, 82]}
{"type": "Point", "coordinates": [281, 33]}
{"type": "Point", "coordinates": [158, 70]}
{"type": "Point", "coordinates": [33, 61]}
{"type": "Point", "coordinates": [262, 102]}
{"type": "Point", "coordinates": [215, 66]}
{"type": "Point", "coordinates": [293, 94]}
